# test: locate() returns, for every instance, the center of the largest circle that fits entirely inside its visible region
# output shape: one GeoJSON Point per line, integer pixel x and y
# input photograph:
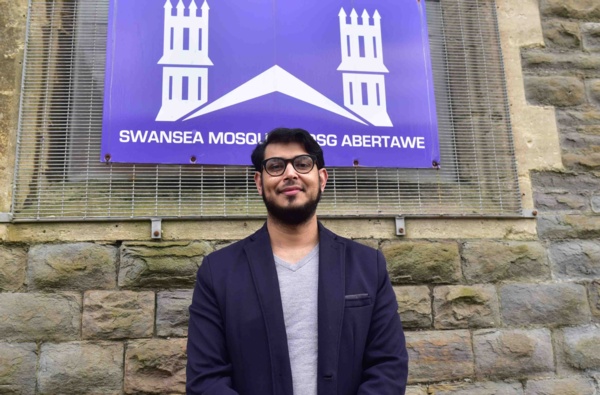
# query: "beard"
{"type": "Point", "coordinates": [293, 216]}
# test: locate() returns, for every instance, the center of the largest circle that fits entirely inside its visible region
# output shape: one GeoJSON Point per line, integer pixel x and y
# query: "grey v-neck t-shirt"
{"type": "Point", "coordinates": [298, 285]}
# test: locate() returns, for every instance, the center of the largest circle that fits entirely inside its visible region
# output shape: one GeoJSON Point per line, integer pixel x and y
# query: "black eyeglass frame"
{"type": "Point", "coordinates": [291, 160]}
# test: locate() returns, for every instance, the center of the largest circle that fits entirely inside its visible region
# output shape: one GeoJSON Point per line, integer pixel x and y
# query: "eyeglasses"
{"type": "Point", "coordinates": [302, 164]}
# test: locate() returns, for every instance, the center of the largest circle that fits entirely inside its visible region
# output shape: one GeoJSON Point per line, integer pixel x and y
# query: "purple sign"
{"type": "Point", "coordinates": [202, 81]}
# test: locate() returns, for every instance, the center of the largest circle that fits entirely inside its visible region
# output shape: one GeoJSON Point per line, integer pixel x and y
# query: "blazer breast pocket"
{"type": "Point", "coordinates": [358, 300]}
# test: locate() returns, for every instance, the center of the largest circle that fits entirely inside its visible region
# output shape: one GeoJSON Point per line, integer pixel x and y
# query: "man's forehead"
{"type": "Point", "coordinates": [284, 150]}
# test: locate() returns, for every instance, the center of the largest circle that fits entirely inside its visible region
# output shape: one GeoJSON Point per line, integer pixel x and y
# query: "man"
{"type": "Point", "coordinates": [294, 308]}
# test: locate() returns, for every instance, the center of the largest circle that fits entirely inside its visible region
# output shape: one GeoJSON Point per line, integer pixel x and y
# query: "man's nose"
{"type": "Point", "coordinates": [290, 172]}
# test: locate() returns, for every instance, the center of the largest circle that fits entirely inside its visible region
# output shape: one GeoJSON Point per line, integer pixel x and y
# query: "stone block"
{"type": "Point", "coordinates": [439, 355]}
{"type": "Point", "coordinates": [40, 317]}
{"type": "Point", "coordinates": [547, 63]}
{"type": "Point", "coordinates": [573, 201]}
{"type": "Point", "coordinates": [117, 314]}
{"type": "Point", "coordinates": [477, 388]}
{"type": "Point", "coordinates": [491, 261]}
{"type": "Point", "coordinates": [593, 90]}
{"type": "Point", "coordinates": [595, 203]}
{"type": "Point", "coordinates": [17, 368]}
{"type": "Point", "coordinates": [81, 368]}
{"type": "Point", "coordinates": [513, 353]}
{"type": "Point", "coordinates": [566, 386]}
{"type": "Point", "coordinates": [155, 366]}
{"type": "Point", "coordinates": [562, 34]}
{"type": "Point", "coordinates": [416, 390]}
{"type": "Point", "coordinates": [544, 304]}
{"type": "Point", "coordinates": [591, 36]}
{"type": "Point", "coordinates": [422, 262]}
{"type": "Point", "coordinates": [581, 347]}
{"type": "Point", "coordinates": [576, 9]}
{"type": "Point", "coordinates": [13, 266]}
{"type": "Point", "coordinates": [172, 312]}
{"type": "Point", "coordinates": [594, 294]}
{"type": "Point", "coordinates": [79, 266]}
{"type": "Point", "coordinates": [568, 226]}
{"type": "Point", "coordinates": [161, 265]}
{"type": "Point", "coordinates": [556, 181]}
{"type": "Point", "coordinates": [465, 306]}
{"type": "Point", "coordinates": [414, 306]}
{"type": "Point", "coordinates": [575, 259]}
{"type": "Point", "coordinates": [555, 91]}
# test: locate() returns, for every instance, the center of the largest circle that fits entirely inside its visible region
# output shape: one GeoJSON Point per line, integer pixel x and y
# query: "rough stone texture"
{"type": "Point", "coordinates": [117, 314]}
{"type": "Point", "coordinates": [578, 9]}
{"type": "Point", "coordinates": [168, 264]}
{"type": "Point", "coordinates": [555, 91]}
{"type": "Point", "coordinates": [567, 226]}
{"type": "Point", "coordinates": [566, 63]}
{"type": "Point", "coordinates": [564, 181]}
{"type": "Point", "coordinates": [544, 304]}
{"type": "Point", "coordinates": [595, 202]}
{"type": "Point", "coordinates": [561, 201]}
{"type": "Point", "coordinates": [422, 262]}
{"type": "Point", "coordinates": [567, 386]}
{"type": "Point", "coordinates": [81, 368]}
{"type": "Point", "coordinates": [483, 388]}
{"type": "Point", "coordinates": [440, 355]}
{"type": "Point", "coordinates": [594, 294]}
{"type": "Point", "coordinates": [414, 306]}
{"type": "Point", "coordinates": [13, 265]}
{"type": "Point", "coordinates": [416, 390]}
{"type": "Point", "coordinates": [581, 347]}
{"type": "Point", "coordinates": [561, 33]}
{"type": "Point", "coordinates": [43, 317]}
{"type": "Point", "coordinates": [491, 261]}
{"type": "Point", "coordinates": [79, 266]}
{"type": "Point", "coordinates": [465, 306]}
{"type": "Point", "coordinates": [513, 353]}
{"type": "Point", "coordinates": [172, 312]}
{"type": "Point", "coordinates": [17, 368]}
{"type": "Point", "coordinates": [593, 91]}
{"type": "Point", "coordinates": [575, 259]}
{"type": "Point", "coordinates": [155, 366]}
{"type": "Point", "coordinates": [591, 36]}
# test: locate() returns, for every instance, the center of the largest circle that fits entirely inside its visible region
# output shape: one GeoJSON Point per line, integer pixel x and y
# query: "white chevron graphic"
{"type": "Point", "coordinates": [273, 80]}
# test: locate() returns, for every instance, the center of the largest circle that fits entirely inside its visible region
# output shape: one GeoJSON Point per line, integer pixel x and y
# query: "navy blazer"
{"type": "Point", "coordinates": [237, 339]}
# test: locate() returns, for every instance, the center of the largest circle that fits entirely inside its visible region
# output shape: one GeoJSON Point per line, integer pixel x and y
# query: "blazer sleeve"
{"type": "Point", "coordinates": [209, 369]}
{"type": "Point", "coordinates": [385, 361]}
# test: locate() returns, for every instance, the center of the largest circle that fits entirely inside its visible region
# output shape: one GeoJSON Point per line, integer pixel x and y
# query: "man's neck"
{"type": "Point", "coordinates": [292, 243]}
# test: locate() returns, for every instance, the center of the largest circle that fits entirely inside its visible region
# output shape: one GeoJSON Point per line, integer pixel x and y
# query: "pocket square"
{"type": "Point", "coordinates": [356, 296]}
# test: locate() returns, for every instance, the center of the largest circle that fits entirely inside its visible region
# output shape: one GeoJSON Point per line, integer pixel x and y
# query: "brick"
{"type": "Point", "coordinates": [591, 36]}
{"type": "Point", "coordinates": [555, 91]}
{"type": "Point", "coordinates": [562, 34]}
{"type": "Point", "coordinates": [465, 306]}
{"type": "Point", "coordinates": [439, 355]}
{"type": "Point", "coordinates": [13, 266]}
{"type": "Point", "coordinates": [478, 388]}
{"type": "Point", "coordinates": [576, 9]}
{"type": "Point", "coordinates": [81, 368]}
{"type": "Point", "coordinates": [40, 317]}
{"type": "Point", "coordinates": [568, 226]}
{"type": "Point", "coordinates": [544, 304]}
{"type": "Point", "coordinates": [513, 353]}
{"type": "Point", "coordinates": [78, 266]}
{"type": "Point", "coordinates": [17, 368]}
{"type": "Point", "coordinates": [575, 259]}
{"type": "Point", "coordinates": [491, 261]}
{"type": "Point", "coordinates": [422, 262]}
{"type": "Point", "coordinates": [566, 386]}
{"type": "Point", "coordinates": [155, 366]}
{"type": "Point", "coordinates": [161, 265]}
{"type": "Point", "coordinates": [172, 313]}
{"type": "Point", "coordinates": [581, 347]}
{"type": "Point", "coordinates": [117, 314]}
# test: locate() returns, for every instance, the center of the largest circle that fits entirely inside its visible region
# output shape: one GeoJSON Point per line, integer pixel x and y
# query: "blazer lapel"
{"type": "Point", "coordinates": [331, 309]}
{"type": "Point", "coordinates": [264, 275]}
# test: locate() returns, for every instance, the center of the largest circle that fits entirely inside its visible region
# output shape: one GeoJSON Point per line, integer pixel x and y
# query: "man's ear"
{"type": "Point", "coordinates": [323, 178]}
{"type": "Point", "coordinates": [258, 182]}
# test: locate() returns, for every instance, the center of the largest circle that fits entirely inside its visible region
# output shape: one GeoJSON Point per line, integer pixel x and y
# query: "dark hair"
{"type": "Point", "coordinates": [287, 136]}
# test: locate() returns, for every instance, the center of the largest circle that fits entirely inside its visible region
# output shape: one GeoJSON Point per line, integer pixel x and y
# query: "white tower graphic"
{"type": "Point", "coordinates": [362, 64]}
{"type": "Point", "coordinates": [185, 57]}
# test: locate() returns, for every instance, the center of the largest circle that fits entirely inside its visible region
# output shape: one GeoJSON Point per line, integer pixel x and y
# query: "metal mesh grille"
{"type": "Point", "coordinates": [59, 176]}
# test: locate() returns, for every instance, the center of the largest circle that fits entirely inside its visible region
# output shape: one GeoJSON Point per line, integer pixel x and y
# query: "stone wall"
{"type": "Point", "coordinates": [489, 306]}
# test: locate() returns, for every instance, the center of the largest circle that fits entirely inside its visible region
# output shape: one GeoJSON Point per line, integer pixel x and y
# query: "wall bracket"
{"type": "Point", "coordinates": [156, 232]}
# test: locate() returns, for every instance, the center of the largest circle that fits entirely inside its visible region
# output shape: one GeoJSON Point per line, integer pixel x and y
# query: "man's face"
{"type": "Point", "coordinates": [292, 197]}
